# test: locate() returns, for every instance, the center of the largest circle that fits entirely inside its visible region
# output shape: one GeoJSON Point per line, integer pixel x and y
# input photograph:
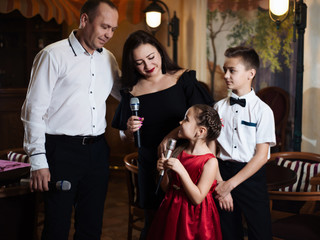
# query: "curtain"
{"type": "Point", "coordinates": [69, 10]}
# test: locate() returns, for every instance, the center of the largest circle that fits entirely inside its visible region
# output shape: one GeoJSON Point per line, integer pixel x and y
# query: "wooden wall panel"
{"type": "Point", "coordinates": [11, 128]}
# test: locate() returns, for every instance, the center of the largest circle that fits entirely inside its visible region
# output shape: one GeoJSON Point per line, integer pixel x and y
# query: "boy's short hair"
{"type": "Point", "coordinates": [250, 58]}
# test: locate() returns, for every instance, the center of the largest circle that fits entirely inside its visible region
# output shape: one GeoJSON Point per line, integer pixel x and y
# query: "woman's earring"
{"type": "Point", "coordinates": [163, 66]}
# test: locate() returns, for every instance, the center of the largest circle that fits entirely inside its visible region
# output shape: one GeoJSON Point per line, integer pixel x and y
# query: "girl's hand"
{"type": "Point", "coordinates": [174, 164]}
{"type": "Point", "coordinates": [226, 203]}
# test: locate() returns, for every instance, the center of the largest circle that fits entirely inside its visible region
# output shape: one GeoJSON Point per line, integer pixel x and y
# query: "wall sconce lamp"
{"type": "Point", "coordinates": [153, 18]}
{"type": "Point", "coordinates": [280, 9]}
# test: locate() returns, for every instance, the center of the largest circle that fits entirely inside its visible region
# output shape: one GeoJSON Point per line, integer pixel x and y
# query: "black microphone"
{"type": "Point", "coordinates": [170, 147]}
{"type": "Point", "coordinates": [59, 185]}
{"type": "Point", "coordinates": [134, 105]}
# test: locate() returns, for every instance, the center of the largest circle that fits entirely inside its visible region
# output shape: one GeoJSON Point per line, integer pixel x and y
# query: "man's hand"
{"type": "Point", "coordinates": [39, 180]}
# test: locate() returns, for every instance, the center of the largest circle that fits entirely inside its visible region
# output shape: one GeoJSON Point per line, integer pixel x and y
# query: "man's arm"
{"type": "Point", "coordinates": [32, 115]}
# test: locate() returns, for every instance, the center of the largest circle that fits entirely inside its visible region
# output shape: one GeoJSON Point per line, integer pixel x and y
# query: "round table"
{"type": "Point", "coordinates": [279, 177]}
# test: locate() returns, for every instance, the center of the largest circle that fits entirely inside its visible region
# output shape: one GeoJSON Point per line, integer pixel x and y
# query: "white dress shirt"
{"type": "Point", "coordinates": [244, 127]}
{"type": "Point", "coordinates": [67, 95]}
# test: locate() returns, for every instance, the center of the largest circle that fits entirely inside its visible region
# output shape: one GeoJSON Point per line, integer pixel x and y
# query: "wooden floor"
{"type": "Point", "coordinates": [115, 222]}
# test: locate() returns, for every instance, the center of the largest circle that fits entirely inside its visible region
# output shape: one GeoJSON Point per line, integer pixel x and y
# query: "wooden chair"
{"type": "Point", "coordinates": [278, 100]}
{"type": "Point", "coordinates": [20, 207]}
{"type": "Point", "coordinates": [4, 153]}
{"type": "Point", "coordinates": [15, 155]}
{"type": "Point", "coordinates": [303, 222]}
{"type": "Point", "coordinates": [136, 214]}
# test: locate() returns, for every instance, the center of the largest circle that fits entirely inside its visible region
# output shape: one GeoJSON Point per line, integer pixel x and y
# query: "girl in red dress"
{"type": "Point", "coordinates": [188, 210]}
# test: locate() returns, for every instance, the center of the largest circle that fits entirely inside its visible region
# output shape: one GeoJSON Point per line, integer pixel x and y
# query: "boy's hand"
{"type": "Point", "coordinates": [223, 189]}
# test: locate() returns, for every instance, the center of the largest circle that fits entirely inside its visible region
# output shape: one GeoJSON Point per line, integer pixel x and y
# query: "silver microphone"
{"type": "Point", "coordinates": [170, 147]}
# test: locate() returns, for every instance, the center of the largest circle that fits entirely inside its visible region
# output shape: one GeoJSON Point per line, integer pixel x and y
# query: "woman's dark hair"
{"type": "Point", "coordinates": [130, 75]}
{"type": "Point", "coordinates": [90, 7]}
{"type": "Point", "coordinates": [210, 119]}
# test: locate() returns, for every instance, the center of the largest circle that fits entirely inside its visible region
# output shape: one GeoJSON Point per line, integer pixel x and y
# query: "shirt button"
{"type": "Point", "coordinates": [90, 92]}
{"type": "Point", "coordinates": [235, 146]}
{"type": "Point", "coordinates": [235, 128]}
{"type": "Point", "coordinates": [94, 126]}
{"type": "Point", "coordinates": [237, 111]}
{"type": "Point", "coordinates": [92, 74]}
{"type": "Point", "coordinates": [94, 108]}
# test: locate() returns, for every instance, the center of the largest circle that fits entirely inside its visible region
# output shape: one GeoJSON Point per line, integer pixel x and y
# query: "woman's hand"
{"type": "Point", "coordinates": [160, 163]}
{"type": "Point", "coordinates": [134, 123]}
{"type": "Point", "coordinates": [162, 149]}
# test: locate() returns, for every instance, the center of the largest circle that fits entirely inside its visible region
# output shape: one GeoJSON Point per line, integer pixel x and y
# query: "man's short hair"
{"type": "Point", "coordinates": [90, 7]}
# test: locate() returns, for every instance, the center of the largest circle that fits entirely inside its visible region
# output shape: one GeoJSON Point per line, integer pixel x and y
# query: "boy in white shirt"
{"type": "Point", "coordinates": [244, 148]}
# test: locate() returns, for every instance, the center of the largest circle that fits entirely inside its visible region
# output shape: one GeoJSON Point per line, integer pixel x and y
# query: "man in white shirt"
{"type": "Point", "coordinates": [64, 121]}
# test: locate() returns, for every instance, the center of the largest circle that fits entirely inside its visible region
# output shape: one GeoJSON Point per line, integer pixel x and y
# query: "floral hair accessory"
{"type": "Point", "coordinates": [221, 122]}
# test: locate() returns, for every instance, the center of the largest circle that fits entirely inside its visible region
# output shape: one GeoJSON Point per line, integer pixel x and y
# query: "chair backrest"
{"type": "Point", "coordinates": [279, 102]}
{"type": "Point", "coordinates": [303, 156]}
{"type": "Point", "coordinates": [307, 200]}
{"type": "Point", "coordinates": [131, 166]}
{"type": "Point", "coordinates": [14, 175]}
{"type": "Point", "coordinates": [305, 164]}
{"type": "Point", "coordinates": [306, 188]}
{"type": "Point", "coordinates": [14, 154]}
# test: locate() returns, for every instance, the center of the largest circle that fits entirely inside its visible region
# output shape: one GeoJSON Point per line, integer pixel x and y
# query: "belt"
{"type": "Point", "coordinates": [83, 140]}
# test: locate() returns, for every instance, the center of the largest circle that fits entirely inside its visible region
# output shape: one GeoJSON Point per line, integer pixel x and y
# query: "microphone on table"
{"type": "Point", "coordinates": [59, 185]}
{"type": "Point", "coordinates": [134, 105]}
{"type": "Point", "coordinates": [170, 147]}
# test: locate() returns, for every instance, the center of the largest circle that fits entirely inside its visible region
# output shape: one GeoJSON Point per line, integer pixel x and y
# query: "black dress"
{"type": "Point", "coordinates": [162, 112]}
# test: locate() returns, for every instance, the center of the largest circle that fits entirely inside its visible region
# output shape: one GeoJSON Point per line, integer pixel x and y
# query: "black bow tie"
{"type": "Point", "coordinates": [241, 102]}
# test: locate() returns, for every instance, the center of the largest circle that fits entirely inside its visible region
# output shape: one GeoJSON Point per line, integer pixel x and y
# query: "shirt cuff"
{"type": "Point", "coordinates": [38, 161]}
{"type": "Point", "coordinates": [123, 136]}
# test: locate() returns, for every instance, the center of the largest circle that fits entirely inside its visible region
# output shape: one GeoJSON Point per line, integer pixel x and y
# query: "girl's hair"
{"type": "Point", "coordinates": [130, 75]}
{"type": "Point", "coordinates": [209, 118]}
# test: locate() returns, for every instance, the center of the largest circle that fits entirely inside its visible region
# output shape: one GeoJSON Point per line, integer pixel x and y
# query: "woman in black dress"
{"type": "Point", "coordinates": [165, 92]}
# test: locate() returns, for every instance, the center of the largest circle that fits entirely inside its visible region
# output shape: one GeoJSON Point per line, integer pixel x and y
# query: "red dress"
{"type": "Point", "coordinates": [177, 218]}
